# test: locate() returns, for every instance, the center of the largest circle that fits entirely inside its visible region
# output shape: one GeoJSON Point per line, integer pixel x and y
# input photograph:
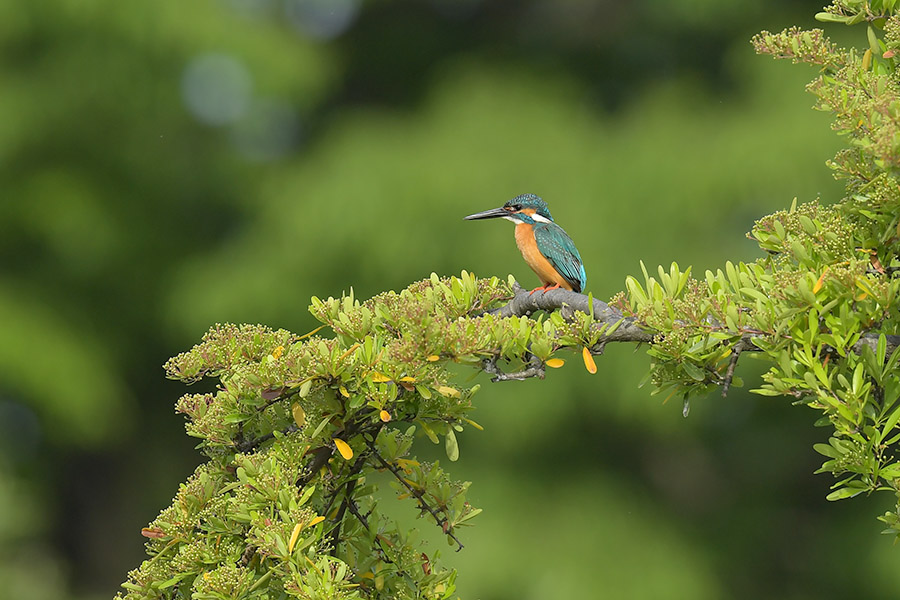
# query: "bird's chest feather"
{"type": "Point", "coordinates": [528, 247]}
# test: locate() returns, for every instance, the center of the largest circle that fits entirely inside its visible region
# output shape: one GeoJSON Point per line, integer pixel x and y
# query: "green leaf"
{"type": "Point", "coordinates": [827, 17]}
{"type": "Point", "coordinates": [693, 371]}
{"type": "Point", "coordinates": [451, 446]}
{"type": "Point", "coordinates": [843, 493]}
{"type": "Point", "coordinates": [827, 450]}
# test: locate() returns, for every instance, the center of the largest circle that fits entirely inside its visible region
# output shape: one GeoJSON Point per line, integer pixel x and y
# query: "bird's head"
{"type": "Point", "coordinates": [525, 208]}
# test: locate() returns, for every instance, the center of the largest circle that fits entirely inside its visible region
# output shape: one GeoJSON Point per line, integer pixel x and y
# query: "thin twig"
{"type": "Point", "coordinates": [335, 533]}
{"type": "Point", "coordinates": [248, 445]}
{"type": "Point", "coordinates": [441, 521]}
{"type": "Point", "coordinates": [742, 344]}
{"type": "Point", "coordinates": [321, 457]}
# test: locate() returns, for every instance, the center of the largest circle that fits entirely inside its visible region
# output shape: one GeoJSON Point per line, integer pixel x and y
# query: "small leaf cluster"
{"type": "Point", "coordinates": [297, 425]}
{"type": "Point", "coordinates": [820, 305]}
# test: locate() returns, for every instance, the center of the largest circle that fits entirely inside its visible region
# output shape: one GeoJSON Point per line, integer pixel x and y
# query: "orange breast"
{"type": "Point", "coordinates": [538, 263]}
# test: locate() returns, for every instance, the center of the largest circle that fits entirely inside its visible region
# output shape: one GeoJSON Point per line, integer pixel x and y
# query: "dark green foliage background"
{"type": "Point", "coordinates": [127, 227]}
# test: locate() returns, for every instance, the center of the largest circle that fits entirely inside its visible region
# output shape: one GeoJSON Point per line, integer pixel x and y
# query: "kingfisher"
{"type": "Point", "coordinates": [546, 247]}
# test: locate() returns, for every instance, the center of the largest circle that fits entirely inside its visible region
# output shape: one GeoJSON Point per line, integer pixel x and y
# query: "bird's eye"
{"type": "Point", "coordinates": [516, 207]}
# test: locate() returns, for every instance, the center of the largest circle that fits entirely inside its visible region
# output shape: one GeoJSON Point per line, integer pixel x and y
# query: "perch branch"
{"type": "Point", "coordinates": [525, 303]}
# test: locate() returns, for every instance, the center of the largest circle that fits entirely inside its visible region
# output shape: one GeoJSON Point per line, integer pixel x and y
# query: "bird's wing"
{"type": "Point", "coordinates": [560, 250]}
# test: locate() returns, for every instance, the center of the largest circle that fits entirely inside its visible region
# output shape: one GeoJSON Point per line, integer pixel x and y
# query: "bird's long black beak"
{"type": "Point", "coordinates": [489, 214]}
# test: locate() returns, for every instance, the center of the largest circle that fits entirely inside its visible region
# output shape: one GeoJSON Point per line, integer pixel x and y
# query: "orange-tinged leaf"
{"type": "Point", "coordinates": [277, 352]}
{"type": "Point", "coordinates": [820, 282]}
{"type": "Point", "coordinates": [888, 54]}
{"type": "Point", "coordinates": [408, 386]}
{"type": "Point", "coordinates": [384, 415]}
{"type": "Point", "coordinates": [344, 448]}
{"type": "Point", "coordinates": [405, 464]}
{"type": "Point", "coordinates": [299, 414]}
{"type": "Point", "coordinates": [294, 535]}
{"type": "Point", "coordinates": [344, 392]}
{"type": "Point", "coordinates": [316, 521]}
{"type": "Point", "coordinates": [555, 363]}
{"type": "Point", "coordinates": [380, 377]}
{"type": "Point", "coordinates": [153, 534]}
{"type": "Point", "coordinates": [447, 392]}
{"type": "Point", "coordinates": [589, 363]}
{"type": "Point", "coordinates": [433, 358]}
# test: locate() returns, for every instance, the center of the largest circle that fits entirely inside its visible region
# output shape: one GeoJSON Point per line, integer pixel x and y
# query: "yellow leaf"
{"type": "Point", "coordinates": [589, 363]}
{"type": "Point", "coordinates": [473, 424]}
{"type": "Point", "coordinates": [294, 535]}
{"type": "Point", "coordinates": [555, 363]}
{"type": "Point", "coordinates": [433, 358]}
{"type": "Point", "coordinates": [385, 415]}
{"type": "Point", "coordinates": [407, 378]}
{"type": "Point", "coordinates": [299, 414]}
{"type": "Point", "coordinates": [367, 575]}
{"type": "Point", "coordinates": [277, 352]}
{"type": "Point", "coordinates": [380, 377]}
{"type": "Point", "coordinates": [818, 285]}
{"type": "Point", "coordinates": [344, 448]}
{"type": "Point", "coordinates": [344, 392]}
{"type": "Point", "coordinates": [316, 521]}
{"type": "Point", "coordinates": [379, 583]}
{"type": "Point", "coordinates": [447, 392]}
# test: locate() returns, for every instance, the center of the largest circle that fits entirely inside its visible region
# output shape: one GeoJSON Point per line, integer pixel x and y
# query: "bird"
{"type": "Point", "coordinates": [544, 245]}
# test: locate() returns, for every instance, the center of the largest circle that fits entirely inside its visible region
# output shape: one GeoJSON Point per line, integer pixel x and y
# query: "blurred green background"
{"type": "Point", "coordinates": [166, 165]}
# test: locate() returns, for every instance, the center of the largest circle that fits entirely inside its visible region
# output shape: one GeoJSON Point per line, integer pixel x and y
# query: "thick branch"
{"type": "Point", "coordinates": [629, 329]}
{"type": "Point", "coordinates": [535, 369]}
{"type": "Point", "coordinates": [525, 303]}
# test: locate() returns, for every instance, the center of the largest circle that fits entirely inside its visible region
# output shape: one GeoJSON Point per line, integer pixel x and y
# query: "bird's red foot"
{"type": "Point", "coordinates": [545, 288]}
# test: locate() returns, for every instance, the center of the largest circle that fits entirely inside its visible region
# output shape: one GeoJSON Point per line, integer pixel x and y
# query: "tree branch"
{"type": "Point", "coordinates": [627, 329]}
{"type": "Point", "coordinates": [535, 369]}
{"type": "Point", "coordinates": [743, 344]}
{"type": "Point", "coordinates": [524, 303]}
{"type": "Point", "coordinates": [441, 521]}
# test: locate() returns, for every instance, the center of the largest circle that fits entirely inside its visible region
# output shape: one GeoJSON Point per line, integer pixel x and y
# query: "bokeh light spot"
{"type": "Point", "coordinates": [216, 88]}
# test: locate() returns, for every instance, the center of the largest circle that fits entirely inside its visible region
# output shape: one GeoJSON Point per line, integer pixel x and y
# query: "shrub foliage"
{"type": "Point", "coordinates": [298, 428]}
